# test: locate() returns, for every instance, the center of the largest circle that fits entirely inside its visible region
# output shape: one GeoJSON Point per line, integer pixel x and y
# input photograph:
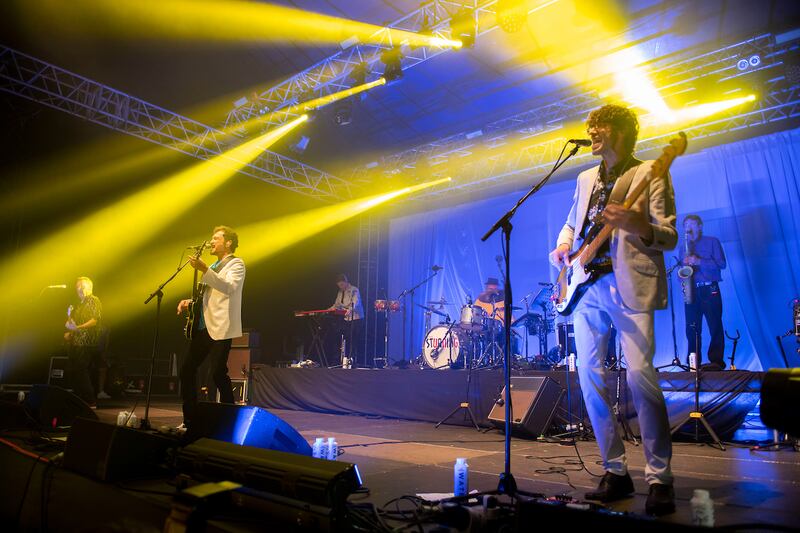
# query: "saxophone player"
{"type": "Point", "coordinates": [705, 256]}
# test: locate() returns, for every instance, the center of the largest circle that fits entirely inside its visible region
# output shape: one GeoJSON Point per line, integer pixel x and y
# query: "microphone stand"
{"type": "Point", "coordinates": [676, 362]}
{"type": "Point", "coordinates": [507, 484]}
{"type": "Point", "coordinates": [411, 326]}
{"type": "Point", "coordinates": [159, 295]}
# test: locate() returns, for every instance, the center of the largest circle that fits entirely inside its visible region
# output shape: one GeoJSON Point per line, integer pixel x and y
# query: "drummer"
{"type": "Point", "coordinates": [492, 300]}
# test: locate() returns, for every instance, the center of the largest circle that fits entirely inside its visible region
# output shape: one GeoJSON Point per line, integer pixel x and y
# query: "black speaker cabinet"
{"type": "Point", "coordinates": [55, 407]}
{"type": "Point", "coordinates": [246, 426]}
{"type": "Point", "coordinates": [533, 399]}
{"type": "Point", "coordinates": [109, 452]}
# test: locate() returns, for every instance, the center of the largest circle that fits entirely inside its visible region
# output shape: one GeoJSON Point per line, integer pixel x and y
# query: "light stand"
{"type": "Point", "coordinates": [697, 414]}
{"type": "Point", "coordinates": [507, 484]}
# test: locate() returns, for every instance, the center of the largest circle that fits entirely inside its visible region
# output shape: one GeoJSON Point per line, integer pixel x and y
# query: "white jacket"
{"type": "Point", "coordinates": [222, 300]}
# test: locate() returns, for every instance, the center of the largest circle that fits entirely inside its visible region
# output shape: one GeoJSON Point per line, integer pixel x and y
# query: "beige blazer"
{"type": "Point", "coordinates": [638, 266]}
{"type": "Point", "coordinates": [222, 300]}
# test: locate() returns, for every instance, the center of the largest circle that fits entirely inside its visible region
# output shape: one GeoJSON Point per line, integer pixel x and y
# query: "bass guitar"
{"type": "Point", "coordinates": [578, 275]}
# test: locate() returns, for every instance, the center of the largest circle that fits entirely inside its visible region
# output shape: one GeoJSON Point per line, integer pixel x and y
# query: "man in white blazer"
{"type": "Point", "coordinates": [632, 286]}
{"type": "Point", "coordinates": [220, 321]}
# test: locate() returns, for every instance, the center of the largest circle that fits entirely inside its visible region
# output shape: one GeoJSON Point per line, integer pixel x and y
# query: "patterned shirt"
{"type": "Point", "coordinates": [603, 186]}
{"type": "Point", "coordinates": [86, 310]}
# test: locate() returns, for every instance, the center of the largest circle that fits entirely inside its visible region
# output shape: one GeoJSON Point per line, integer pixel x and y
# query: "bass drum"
{"type": "Point", "coordinates": [445, 350]}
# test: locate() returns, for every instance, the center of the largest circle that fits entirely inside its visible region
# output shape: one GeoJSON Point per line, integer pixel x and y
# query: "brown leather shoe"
{"type": "Point", "coordinates": [612, 487]}
{"type": "Point", "coordinates": [661, 500]}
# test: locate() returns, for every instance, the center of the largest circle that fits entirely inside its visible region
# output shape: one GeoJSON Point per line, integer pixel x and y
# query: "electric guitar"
{"type": "Point", "coordinates": [196, 305]}
{"type": "Point", "coordinates": [573, 280]}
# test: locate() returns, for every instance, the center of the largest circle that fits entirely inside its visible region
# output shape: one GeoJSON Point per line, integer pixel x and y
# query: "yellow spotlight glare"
{"type": "Point", "coordinates": [265, 239]}
{"type": "Point", "coordinates": [699, 111]}
{"type": "Point", "coordinates": [99, 241]}
{"type": "Point", "coordinates": [232, 21]}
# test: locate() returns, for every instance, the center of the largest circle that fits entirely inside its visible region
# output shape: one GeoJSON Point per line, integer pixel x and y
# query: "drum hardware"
{"type": "Point", "coordinates": [435, 312]}
{"type": "Point", "coordinates": [473, 318]}
{"type": "Point", "coordinates": [733, 352]}
{"type": "Point", "coordinates": [385, 307]}
{"type": "Point", "coordinates": [450, 341]}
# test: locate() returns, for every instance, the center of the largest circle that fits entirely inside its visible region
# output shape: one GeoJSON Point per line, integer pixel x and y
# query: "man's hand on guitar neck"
{"type": "Point", "coordinates": [198, 264]}
{"type": "Point", "coordinates": [628, 220]}
{"type": "Point", "coordinates": [560, 256]}
{"type": "Point", "coordinates": [183, 305]}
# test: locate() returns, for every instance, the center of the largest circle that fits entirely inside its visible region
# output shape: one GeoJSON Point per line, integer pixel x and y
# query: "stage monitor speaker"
{"type": "Point", "coordinates": [55, 407]}
{"type": "Point", "coordinates": [245, 425]}
{"type": "Point", "coordinates": [534, 400]}
{"type": "Point", "coordinates": [109, 452]}
{"type": "Point", "coordinates": [307, 479]}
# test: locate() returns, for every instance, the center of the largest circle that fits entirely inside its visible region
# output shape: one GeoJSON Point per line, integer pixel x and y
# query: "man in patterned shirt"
{"type": "Point", "coordinates": [83, 335]}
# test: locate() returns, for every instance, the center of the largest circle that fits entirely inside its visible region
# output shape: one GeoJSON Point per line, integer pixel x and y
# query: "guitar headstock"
{"type": "Point", "coordinates": [677, 146]}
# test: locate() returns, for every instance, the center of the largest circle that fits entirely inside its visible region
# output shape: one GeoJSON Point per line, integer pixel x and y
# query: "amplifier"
{"type": "Point", "coordinates": [534, 401]}
{"type": "Point", "coordinates": [58, 372]}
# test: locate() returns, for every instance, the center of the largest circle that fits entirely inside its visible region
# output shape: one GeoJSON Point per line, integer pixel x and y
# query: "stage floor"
{"type": "Point", "coordinates": [398, 457]}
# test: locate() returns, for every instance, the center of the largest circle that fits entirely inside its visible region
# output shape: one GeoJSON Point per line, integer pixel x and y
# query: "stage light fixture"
{"type": "Point", "coordinates": [511, 15]}
{"type": "Point", "coordinates": [462, 27]}
{"type": "Point", "coordinates": [300, 146]}
{"type": "Point", "coordinates": [392, 58]}
{"type": "Point", "coordinates": [343, 113]}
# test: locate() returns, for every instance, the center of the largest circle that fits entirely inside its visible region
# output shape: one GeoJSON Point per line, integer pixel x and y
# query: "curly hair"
{"type": "Point", "coordinates": [621, 119]}
{"type": "Point", "coordinates": [228, 235]}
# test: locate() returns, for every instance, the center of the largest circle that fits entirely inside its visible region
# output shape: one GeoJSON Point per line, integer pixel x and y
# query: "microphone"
{"type": "Point", "coordinates": [437, 268]}
{"type": "Point", "coordinates": [198, 246]}
{"type": "Point", "coordinates": [62, 286]}
{"type": "Point", "coordinates": [581, 142]}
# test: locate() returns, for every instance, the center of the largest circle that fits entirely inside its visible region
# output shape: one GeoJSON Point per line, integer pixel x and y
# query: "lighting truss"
{"type": "Point", "coordinates": [331, 74]}
{"type": "Point", "coordinates": [46, 84]}
{"type": "Point", "coordinates": [778, 101]}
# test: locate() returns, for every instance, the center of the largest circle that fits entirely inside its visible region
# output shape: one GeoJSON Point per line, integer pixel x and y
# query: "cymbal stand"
{"type": "Point", "coordinates": [627, 433]}
{"type": "Point", "coordinates": [464, 404]}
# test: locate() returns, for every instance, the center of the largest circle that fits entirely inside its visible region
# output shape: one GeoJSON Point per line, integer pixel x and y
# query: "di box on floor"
{"type": "Point", "coordinates": [108, 452]}
{"type": "Point", "coordinates": [534, 400]}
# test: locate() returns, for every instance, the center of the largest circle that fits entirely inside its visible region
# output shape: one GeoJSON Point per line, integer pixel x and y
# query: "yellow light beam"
{"type": "Point", "coordinates": [267, 238]}
{"type": "Point", "coordinates": [302, 107]}
{"type": "Point", "coordinates": [232, 21]}
{"type": "Point", "coordinates": [103, 239]}
{"type": "Point", "coordinates": [699, 111]}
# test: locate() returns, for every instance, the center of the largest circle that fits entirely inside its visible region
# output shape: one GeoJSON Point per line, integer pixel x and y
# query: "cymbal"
{"type": "Point", "coordinates": [430, 310]}
{"type": "Point", "coordinates": [439, 302]}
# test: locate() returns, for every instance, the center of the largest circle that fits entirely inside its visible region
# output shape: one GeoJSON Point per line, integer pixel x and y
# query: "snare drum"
{"type": "Point", "coordinates": [445, 350]}
{"type": "Point", "coordinates": [473, 318]}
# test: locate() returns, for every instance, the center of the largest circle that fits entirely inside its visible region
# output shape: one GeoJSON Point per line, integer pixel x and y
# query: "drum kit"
{"type": "Point", "coordinates": [477, 338]}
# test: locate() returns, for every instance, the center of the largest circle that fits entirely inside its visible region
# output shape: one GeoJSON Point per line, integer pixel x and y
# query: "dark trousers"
{"type": "Point", "coordinates": [80, 360]}
{"type": "Point", "coordinates": [353, 332]}
{"type": "Point", "coordinates": [200, 347]}
{"type": "Point", "coordinates": [707, 302]}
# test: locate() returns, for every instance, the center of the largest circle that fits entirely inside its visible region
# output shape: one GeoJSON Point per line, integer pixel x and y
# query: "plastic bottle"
{"type": "Point", "coordinates": [323, 450]}
{"type": "Point", "coordinates": [122, 417]}
{"type": "Point", "coordinates": [571, 360]}
{"type": "Point", "coordinates": [693, 362]}
{"type": "Point", "coordinates": [316, 449]}
{"type": "Point", "coordinates": [702, 508]}
{"type": "Point", "coordinates": [461, 477]}
{"type": "Point", "coordinates": [133, 421]}
{"type": "Point", "coordinates": [333, 449]}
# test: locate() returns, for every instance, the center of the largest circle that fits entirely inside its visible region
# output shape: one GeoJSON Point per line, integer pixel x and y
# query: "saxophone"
{"type": "Point", "coordinates": [685, 274]}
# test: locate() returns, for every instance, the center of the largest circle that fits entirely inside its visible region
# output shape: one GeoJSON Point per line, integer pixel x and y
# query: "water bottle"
{"type": "Point", "coordinates": [122, 417]}
{"type": "Point", "coordinates": [133, 421]}
{"type": "Point", "coordinates": [702, 508]}
{"type": "Point", "coordinates": [323, 450]}
{"type": "Point", "coordinates": [316, 449]}
{"type": "Point", "coordinates": [693, 362]}
{"type": "Point", "coordinates": [333, 449]}
{"type": "Point", "coordinates": [571, 362]}
{"type": "Point", "coordinates": [461, 477]}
